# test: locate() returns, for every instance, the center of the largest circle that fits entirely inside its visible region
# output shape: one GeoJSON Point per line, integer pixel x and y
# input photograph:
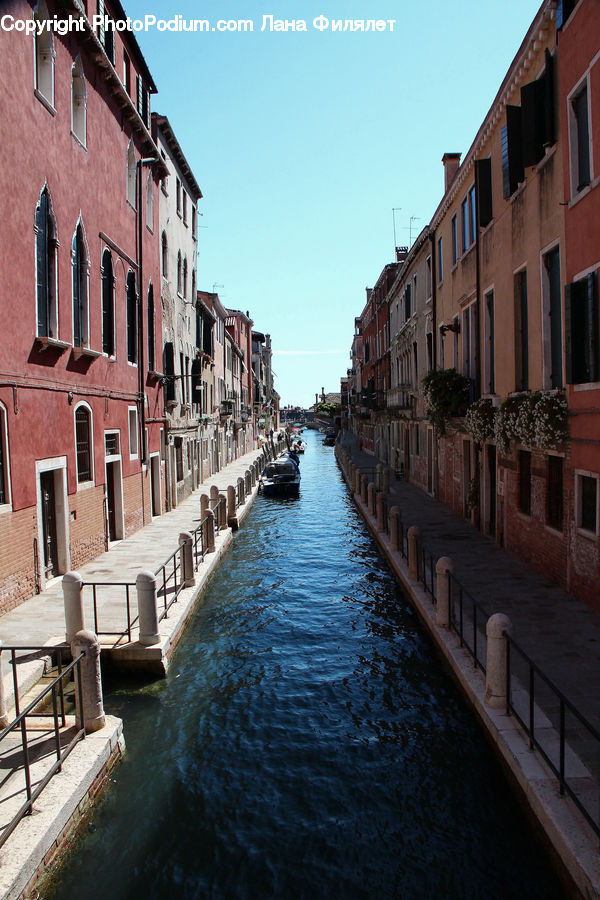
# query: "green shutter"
{"type": "Point", "coordinates": [569, 333]}
{"type": "Point", "coordinates": [591, 301]}
{"type": "Point", "coordinates": [532, 121]}
{"type": "Point", "coordinates": [483, 175]}
{"type": "Point", "coordinates": [515, 155]}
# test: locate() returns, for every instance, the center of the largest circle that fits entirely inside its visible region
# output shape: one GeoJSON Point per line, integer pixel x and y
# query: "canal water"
{"type": "Point", "coordinates": [307, 743]}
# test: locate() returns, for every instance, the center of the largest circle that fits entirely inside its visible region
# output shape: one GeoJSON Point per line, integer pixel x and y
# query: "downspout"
{"type": "Point", "coordinates": [434, 336]}
{"type": "Point", "coordinates": [479, 380]}
{"type": "Point", "coordinates": [140, 316]}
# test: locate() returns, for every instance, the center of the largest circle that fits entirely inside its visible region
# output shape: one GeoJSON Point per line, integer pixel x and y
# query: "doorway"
{"type": "Point", "coordinates": [155, 484]}
{"type": "Point", "coordinates": [49, 530]}
{"type": "Point", "coordinates": [52, 517]}
{"type": "Point", "coordinates": [114, 500]}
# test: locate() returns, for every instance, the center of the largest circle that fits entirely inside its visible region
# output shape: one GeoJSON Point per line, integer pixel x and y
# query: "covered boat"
{"type": "Point", "coordinates": [281, 477]}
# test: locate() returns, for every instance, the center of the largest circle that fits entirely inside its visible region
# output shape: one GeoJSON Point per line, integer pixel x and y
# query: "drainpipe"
{"type": "Point", "coordinates": [434, 340]}
{"type": "Point", "coordinates": [479, 381]}
{"type": "Point", "coordinates": [148, 161]}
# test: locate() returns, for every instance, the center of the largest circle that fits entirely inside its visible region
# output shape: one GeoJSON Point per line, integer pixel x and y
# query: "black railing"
{"type": "Point", "coordinates": [522, 702]}
{"type": "Point", "coordinates": [220, 511]}
{"type": "Point", "coordinates": [171, 581]}
{"type": "Point", "coordinates": [53, 694]}
{"type": "Point", "coordinates": [468, 619]}
{"type": "Point", "coordinates": [238, 493]}
{"type": "Point", "coordinates": [426, 570]}
{"type": "Point", "coordinates": [199, 543]}
{"type": "Point", "coordinates": [131, 619]}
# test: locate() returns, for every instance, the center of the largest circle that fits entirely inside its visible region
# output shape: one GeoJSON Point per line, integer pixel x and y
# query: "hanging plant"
{"type": "Point", "coordinates": [446, 394]}
{"type": "Point", "coordinates": [537, 420]}
{"type": "Point", "coordinates": [551, 422]}
{"type": "Point", "coordinates": [480, 420]}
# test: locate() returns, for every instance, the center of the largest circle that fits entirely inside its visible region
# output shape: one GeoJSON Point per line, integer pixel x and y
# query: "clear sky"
{"type": "Point", "coordinates": [304, 143]}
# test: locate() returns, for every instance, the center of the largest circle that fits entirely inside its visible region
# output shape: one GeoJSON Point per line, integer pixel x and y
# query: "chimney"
{"type": "Point", "coordinates": [316, 398]}
{"type": "Point", "coordinates": [451, 163]}
{"type": "Point", "coordinates": [401, 254]}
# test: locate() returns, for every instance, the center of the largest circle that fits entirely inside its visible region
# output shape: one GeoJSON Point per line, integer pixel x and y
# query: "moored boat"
{"type": "Point", "coordinates": [281, 477]}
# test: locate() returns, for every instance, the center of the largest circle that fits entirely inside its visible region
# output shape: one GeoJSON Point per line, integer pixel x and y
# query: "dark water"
{"type": "Point", "coordinates": [307, 743]}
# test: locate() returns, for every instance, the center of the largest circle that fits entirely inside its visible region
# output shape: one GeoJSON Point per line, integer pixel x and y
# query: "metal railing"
{"type": "Point", "coordinates": [426, 570]}
{"type": "Point", "coordinates": [131, 619]}
{"type": "Point", "coordinates": [171, 581]}
{"type": "Point", "coordinates": [522, 703]}
{"type": "Point", "coordinates": [468, 619]}
{"type": "Point", "coordinates": [199, 543]}
{"type": "Point", "coordinates": [238, 493]}
{"type": "Point", "coordinates": [53, 694]}
{"type": "Point", "coordinates": [220, 511]}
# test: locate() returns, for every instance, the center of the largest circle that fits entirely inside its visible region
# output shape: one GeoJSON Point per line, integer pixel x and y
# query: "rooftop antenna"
{"type": "Point", "coordinates": [410, 221]}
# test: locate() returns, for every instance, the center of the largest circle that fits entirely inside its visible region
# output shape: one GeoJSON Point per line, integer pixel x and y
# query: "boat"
{"type": "Point", "coordinates": [290, 454]}
{"type": "Point", "coordinates": [298, 446]}
{"type": "Point", "coordinates": [281, 477]}
{"type": "Point", "coordinates": [329, 439]}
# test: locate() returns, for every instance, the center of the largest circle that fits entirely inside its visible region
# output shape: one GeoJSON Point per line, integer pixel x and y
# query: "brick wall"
{"type": "Point", "coordinates": [17, 564]}
{"type": "Point", "coordinates": [133, 510]}
{"type": "Point", "coordinates": [87, 527]}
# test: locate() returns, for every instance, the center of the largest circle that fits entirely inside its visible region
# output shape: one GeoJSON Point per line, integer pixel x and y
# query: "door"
{"type": "Point", "coordinates": [491, 518]}
{"type": "Point", "coordinates": [155, 484]}
{"type": "Point", "coordinates": [49, 524]}
{"type": "Point", "coordinates": [111, 502]}
{"type": "Point", "coordinates": [430, 461]}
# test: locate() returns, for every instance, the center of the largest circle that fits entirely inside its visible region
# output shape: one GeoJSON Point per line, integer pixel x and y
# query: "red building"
{"type": "Point", "coordinates": [579, 103]}
{"type": "Point", "coordinates": [80, 405]}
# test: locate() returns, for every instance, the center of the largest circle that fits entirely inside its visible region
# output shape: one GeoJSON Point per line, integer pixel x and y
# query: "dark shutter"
{"type": "Point", "coordinates": [483, 174]}
{"type": "Point", "coordinates": [150, 329]}
{"type": "Point", "coordinates": [532, 121]}
{"type": "Point", "coordinates": [564, 9]}
{"type": "Point", "coordinates": [515, 155]}
{"type": "Point", "coordinates": [505, 173]}
{"type": "Point", "coordinates": [131, 319]}
{"type": "Point", "coordinates": [41, 224]}
{"type": "Point", "coordinates": [207, 337]}
{"type": "Point", "coordinates": [196, 381]}
{"type": "Point", "coordinates": [109, 40]}
{"type": "Point", "coordinates": [138, 84]}
{"type": "Point", "coordinates": [580, 109]}
{"type": "Point", "coordinates": [107, 304]}
{"type": "Point", "coordinates": [145, 99]}
{"type": "Point", "coordinates": [169, 368]}
{"type": "Point", "coordinates": [77, 317]}
{"type": "Point", "coordinates": [591, 310]}
{"type": "Point", "coordinates": [569, 333]}
{"type": "Point", "coordinates": [549, 137]}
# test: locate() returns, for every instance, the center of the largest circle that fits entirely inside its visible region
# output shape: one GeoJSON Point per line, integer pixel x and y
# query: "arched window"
{"type": "Point", "coordinates": [80, 266]}
{"type": "Point", "coordinates": [193, 285]}
{"type": "Point", "coordinates": [46, 244]}
{"type": "Point", "coordinates": [184, 286]}
{"type": "Point", "coordinates": [131, 181]}
{"type": "Point", "coordinates": [83, 443]}
{"type": "Point", "coordinates": [44, 55]}
{"type": "Point", "coordinates": [131, 318]}
{"type": "Point", "coordinates": [4, 459]}
{"type": "Point", "coordinates": [150, 328]}
{"type": "Point", "coordinates": [179, 272]}
{"type": "Point", "coordinates": [78, 101]}
{"type": "Point", "coordinates": [149, 202]}
{"type": "Point", "coordinates": [164, 255]}
{"type": "Point", "coordinates": [108, 304]}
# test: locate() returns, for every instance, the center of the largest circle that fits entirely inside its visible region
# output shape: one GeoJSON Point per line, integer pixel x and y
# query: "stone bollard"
{"type": "Point", "coordinates": [89, 708]}
{"type": "Point", "coordinates": [214, 495]}
{"type": "Point", "coordinates": [385, 487]}
{"type": "Point", "coordinates": [147, 599]}
{"type": "Point", "coordinates": [210, 532]}
{"type": "Point", "coordinates": [357, 477]}
{"type": "Point", "coordinates": [378, 472]}
{"type": "Point", "coordinates": [231, 516]}
{"type": "Point", "coordinates": [222, 516]}
{"type": "Point", "coordinates": [72, 585]}
{"type": "Point", "coordinates": [4, 718]}
{"type": "Point", "coordinates": [371, 498]}
{"type": "Point", "coordinates": [242, 490]}
{"type": "Point", "coordinates": [364, 484]}
{"type": "Point", "coordinates": [414, 535]}
{"type": "Point", "coordinates": [187, 557]}
{"type": "Point", "coordinates": [204, 504]}
{"type": "Point", "coordinates": [248, 482]}
{"type": "Point", "coordinates": [380, 511]}
{"type": "Point", "coordinates": [443, 569]}
{"type": "Point", "coordinates": [394, 521]}
{"type": "Point", "coordinates": [495, 676]}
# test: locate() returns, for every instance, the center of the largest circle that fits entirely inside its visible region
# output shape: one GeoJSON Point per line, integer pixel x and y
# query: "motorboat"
{"type": "Point", "coordinates": [329, 439]}
{"type": "Point", "coordinates": [291, 454]}
{"type": "Point", "coordinates": [298, 446]}
{"type": "Point", "coordinates": [281, 477]}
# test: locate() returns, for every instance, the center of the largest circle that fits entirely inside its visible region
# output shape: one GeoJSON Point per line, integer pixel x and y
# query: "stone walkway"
{"type": "Point", "coordinates": [558, 632]}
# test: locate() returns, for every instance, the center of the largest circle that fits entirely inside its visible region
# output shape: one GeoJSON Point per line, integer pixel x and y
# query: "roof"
{"type": "Point", "coordinates": [164, 126]}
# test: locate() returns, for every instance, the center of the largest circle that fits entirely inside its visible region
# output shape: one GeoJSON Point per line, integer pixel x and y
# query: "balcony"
{"type": "Point", "coordinates": [400, 397]}
{"type": "Point", "coordinates": [372, 399]}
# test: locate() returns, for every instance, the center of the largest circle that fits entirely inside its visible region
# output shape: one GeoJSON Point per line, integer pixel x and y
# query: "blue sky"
{"type": "Point", "coordinates": [303, 143]}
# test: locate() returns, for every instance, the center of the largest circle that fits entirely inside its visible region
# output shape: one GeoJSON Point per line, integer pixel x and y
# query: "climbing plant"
{"type": "Point", "coordinates": [446, 394]}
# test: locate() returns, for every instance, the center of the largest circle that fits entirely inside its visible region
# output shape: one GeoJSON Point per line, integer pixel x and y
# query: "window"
{"type": "Point", "coordinates": [428, 280]}
{"type": "Point", "coordinates": [183, 380]}
{"type": "Point", "coordinates": [169, 370]}
{"type": "Point", "coordinates": [143, 101]}
{"type": "Point", "coordinates": [525, 482]}
{"type": "Point", "coordinates": [429, 341]}
{"type": "Point", "coordinates": [164, 184]}
{"type": "Point", "coordinates": [80, 271]}
{"type": "Point", "coordinates": [193, 285]}
{"type": "Point", "coordinates": [185, 208]}
{"type": "Point", "coordinates": [126, 73]}
{"type": "Point", "coordinates": [579, 140]}
{"type": "Point", "coordinates": [440, 261]}
{"type": "Point", "coordinates": [131, 318]}
{"type": "Point", "coordinates": [164, 255]}
{"type": "Point", "coordinates": [407, 308]}
{"type": "Point", "coordinates": [552, 320]}
{"type": "Point", "coordinates": [488, 345]}
{"type": "Point", "coordinates": [178, 196]}
{"type": "Point", "coordinates": [83, 443]}
{"type": "Point", "coordinates": [179, 272]}
{"type": "Point", "coordinates": [106, 35]}
{"type": "Point", "coordinates": [537, 114]}
{"type": "Point", "coordinates": [587, 502]}
{"type": "Point", "coordinates": [133, 432]}
{"type": "Point", "coordinates": [512, 159]}
{"type": "Point", "coordinates": [470, 333]}
{"type": "Point", "coordinates": [108, 305]}
{"type": "Point", "coordinates": [149, 202]}
{"type": "Point", "coordinates": [454, 232]}
{"type": "Point", "coordinates": [468, 220]}
{"type": "Point", "coordinates": [184, 280]}
{"type": "Point", "coordinates": [441, 348]}
{"type": "Point", "coordinates": [521, 333]}
{"type": "Point", "coordinates": [554, 493]}
{"type": "Point", "coordinates": [483, 176]}
{"type": "Point", "coordinates": [4, 466]}
{"type": "Point", "coordinates": [151, 338]}
{"type": "Point", "coordinates": [44, 56]}
{"type": "Point", "coordinates": [131, 175]}
{"type": "Point", "coordinates": [78, 102]}
{"type": "Point", "coordinates": [46, 243]}
{"type": "Point", "coordinates": [179, 458]}
{"type": "Point", "coordinates": [194, 223]}
{"type": "Point", "coordinates": [581, 330]}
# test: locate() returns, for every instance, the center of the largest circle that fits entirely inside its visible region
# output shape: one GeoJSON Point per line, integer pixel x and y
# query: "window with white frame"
{"type": "Point", "coordinates": [131, 175]}
{"type": "Point", "coordinates": [4, 459]}
{"type": "Point", "coordinates": [178, 195]}
{"type": "Point", "coordinates": [428, 280]}
{"type": "Point", "coordinates": [83, 443]}
{"type": "Point", "coordinates": [468, 220]}
{"type": "Point", "coordinates": [78, 102]}
{"type": "Point", "coordinates": [185, 207]}
{"type": "Point", "coordinates": [80, 265]}
{"type": "Point", "coordinates": [489, 375]}
{"type": "Point", "coordinates": [586, 499]}
{"type": "Point", "coordinates": [580, 156]}
{"type": "Point", "coordinates": [46, 244]}
{"type": "Point", "coordinates": [108, 304]}
{"type": "Point", "coordinates": [149, 202]}
{"type": "Point", "coordinates": [454, 235]}
{"type": "Point", "coordinates": [131, 304]}
{"type": "Point", "coordinates": [133, 432]}
{"type": "Point", "coordinates": [44, 55]}
{"type": "Point", "coordinates": [164, 255]}
{"type": "Point", "coordinates": [440, 261]}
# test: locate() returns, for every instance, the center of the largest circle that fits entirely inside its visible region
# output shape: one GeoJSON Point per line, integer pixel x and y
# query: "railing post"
{"type": "Point", "coordinates": [210, 532]}
{"type": "Point", "coordinates": [248, 482]}
{"type": "Point", "coordinates": [72, 585]}
{"type": "Point", "coordinates": [414, 536]}
{"type": "Point", "coordinates": [444, 568]}
{"type": "Point", "coordinates": [380, 509]}
{"type": "Point", "coordinates": [222, 518]}
{"type": "Point", "coordinates": [4, 719]}
{"type": "Point", "coordinates": [364, 484]}
{"type": "Point", "coordinates": [204, 505]}
{"type": "Point", "coordinates": [495, 675]}
{"type": "Point", "coordinates": [231, 516]}
{"type": "Point", "coordinates": [90, 684]}
{"type": "Point", "coordinates": [386, 481]}
{"type": "Point", "coordinates": [187, 558]}
{"type": "Point", "coordinates": [394, 520]}
{"type": "Point", "coordinates": [357, 481]}
{"type": "Point", "coordinates": [371, 498]}
{"type": "Point", "coordinates": [147, 599]}
{"type": "Point", "coordinates": [378, 471]}
{"type": "Point", "coordinates": [242, 487]}
{"type": "Point", "coordinates": [214, 495]}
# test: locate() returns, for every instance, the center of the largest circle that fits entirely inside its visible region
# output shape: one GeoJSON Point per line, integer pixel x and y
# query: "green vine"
{"type": "Point", "coordinates": [446, 394]}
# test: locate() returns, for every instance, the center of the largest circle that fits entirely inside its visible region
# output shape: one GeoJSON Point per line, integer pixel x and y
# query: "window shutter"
{"type": "Point", "coordinates": [532, 121]}
{"type": "Point", "coordinates": [138, 85]}
{"type": "Point", "coordinates": [169, 367]}
{"type": "Point", "coordinates": [483, 174]}
{"type": "Point", "coordinates": [41, 223]}
{"type": "Point", "coordinates": [568, 333]}
{"type": "Point", "coordinates": [76, 293]}
{"type": "Point", "coordinates": [100, 31]}
{"type": "Point", "coordinates": [107, 304]}
{"type": "Point", "coordinates": [549, 136]}
{"type": "Point", "coordinates": [109, 41]}
{"type": "Point", "coordinates": [196, 381]}
{"type": "Point", "coordinates": [504, 149]}
{"type": "Point", "coordinates": [591, 301]}
{"type": "Point", "coordinates": [515, 156]}
{"type": "Point", "coordinates": [145, 99]}
{"type": "Point", "coordinates": [151, 330]}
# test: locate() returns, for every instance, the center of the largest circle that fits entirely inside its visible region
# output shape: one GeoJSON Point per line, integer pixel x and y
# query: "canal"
{"type": "Point", "coordinates": [307, 742]}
